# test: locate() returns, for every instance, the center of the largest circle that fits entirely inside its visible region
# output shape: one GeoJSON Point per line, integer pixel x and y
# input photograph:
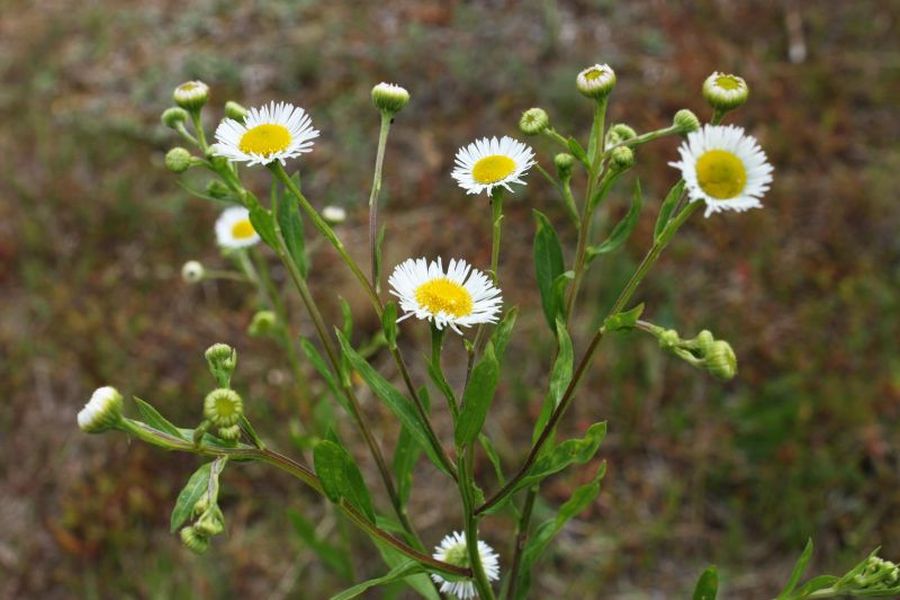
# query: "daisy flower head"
{"type": "Point", "coordinates": [724, 91]}
{"type": "Point", "coordinates": [272, 132]}
{"type": "Point", "coordinates": [725, 168]}
{"type": "Point", "coordinates": [452, 549]}
{"type": "Point", "coordinates": [461, 296]}
{"type": "Point", "coordinates": [234, 230]}
{"type": "Point", "coordinates": [487, 163]}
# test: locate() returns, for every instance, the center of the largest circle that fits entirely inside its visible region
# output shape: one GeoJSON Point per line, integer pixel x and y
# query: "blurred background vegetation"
{"type": "Point", "coordinates": [93, 232]}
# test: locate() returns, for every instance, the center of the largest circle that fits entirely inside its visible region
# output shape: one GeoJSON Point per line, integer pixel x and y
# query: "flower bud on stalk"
{"type": "Point", "coordinates": [564, 163]}
{"type": "Point", "coordinates": [194, 540]}
{"type": "Point", "coordinates": [534, 121]}
{"type": "Point", "coordinates": [721, 361]}
{"type": "Point", "coordinates": [263, 323]}
{"type": "Point", "coordinates": [725, 92]}
{"type": "Point", "coordinates": [174, 116]}
{"type": "Point", "coordinates": [685, 121]}
{"type": "Point", "coordinates": [235, 111]}
{"type": "Point", "coordinates": [191, 95]}
{"type": "Point", "coordinates": [621, 158]}
{"type": "Point", "coordinates": [223, 407]}
{"type": "Point", "coordinates": [222, 360]}
{"type": "Point", "coordinates": [596, 82]}
{"type": "Point", "coordinates": [102, 412]}
{"type": "Point", "coordinates": [389, 98]}
{"type": "Point", "coordinates": [179, 160]}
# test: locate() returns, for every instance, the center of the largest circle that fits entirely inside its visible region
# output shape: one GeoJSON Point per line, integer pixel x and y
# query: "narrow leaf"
{"type": "Point", "coordinates": [402, 570]}
{"type": "Point", "coordinates": [578, 152]}
{"type": "Point", "coordinates": [154, 419]}
{"type": "Point", "coordinates": [196, 486]}
{"type": "Point", "coordinates": [560, 376]}
{"type": "Point", "coordinates": [477, 397]}
{"type": "Point", "coordinates": [341, 478]}
{"type": "Point", "coordinates": [406, 455]}
{"type": "Point", "coordinates": [666, 208]}
{"type": "Point", "coordinates": [549, 264]}
{"type": "Point", "coordinates": [397, 402]}
{"type": "Point", "coordinates": [503, 332]}
{"type": "Point", "coordinates": [333, 557]}
{"type": "Point", "coordinates": [623, 228]}
{"type": "Point", "coordinates": [389, 324]}
{"type": "Point", "coordinates": [708, 585]}
{"type": "Point", "coordinates": [797, 572]}
{"type": "Point", "coordinates": [291, 225]}
{"type": "Point", "coordinates": [323, 369]}
{"type": "Point", "coordinates": [264, 224]}
{"type": "Point", "coordinates": [419, 582]}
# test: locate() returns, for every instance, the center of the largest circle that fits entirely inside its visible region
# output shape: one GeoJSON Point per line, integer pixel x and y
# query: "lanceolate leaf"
{"type": "Point", "coordinates": [797, 572]}
{"type": "Point", "coordinates": [578, 152]}
{"type": "Point", "coordinates": [402, 570]}
{"type": "Point", "coordinates": [477, 397]}
{"type": "Point", "coordinates": [330, 555]}
{"type": "Point", "coordinates": [196, 486]}
{"type": "Point", "coordinates": [291, 225]}
{"type": "Point", "coordinates": [503, 332]}
{"type": "Point", "coordinates": [154, 419]}
{"type": "Point", "coordinates": [707, 585]}
{"type": "Point", "coordinates": [406, 455]}
{"type": "Point", "coordinates": [560, 377]}
{"type": "Point", "coordinates": [341, 478]}
{"type": "Point", "coordinates": [264, 224]}
{"type": "Point", "coordinates": [549, 265]}
{"type": "Point", "coordinates": [666, 208]}
{"type": "Point", "coordinates": [623, 228]}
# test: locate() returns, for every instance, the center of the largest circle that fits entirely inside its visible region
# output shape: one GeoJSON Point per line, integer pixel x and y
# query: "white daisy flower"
{"type": "Point", "coordinates": [487, 163]}
{"type": "Point", "coordinates": [103, 411]}
{"type": "Point", "coordinates": [273, 132]}
{"type": "Point", "coordinates": [234, 230]}
{"type": "Point", "coordinates": [461, 296]}
{"type": "Point", "coordinates": [452, 549]}
{"type": "Point", "coordinates": [725, 168]}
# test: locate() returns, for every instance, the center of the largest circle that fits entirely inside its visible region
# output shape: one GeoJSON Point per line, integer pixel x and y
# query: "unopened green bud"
{"type": "Point", "coordinates": [389, 98]}
{"type": "Point", "coordinates": [174, 116]}
{"type": "Point", "coordinates": [222, 359]}
{"type": "Point", "coordinates": [620, 132]}
{"type": "Point", "coordinates": [179, 160]}
{"type": "Point", "coordinates": [231, 434]}
{"type": "Point", "coordinates": [201, 505]}
{"type": "Point", "coordinates": [263, 323]}
{"type": "Point", "coordinates": [103, 411]}
{"type": "Point", "coordinates": [534, 121]}
{"type": "Point", "coordinates": [223, 407]}
{"type": "Point", "coordinates": [210, 523]}
{"type": "Point", "coordinates": [192, 272]}
{"type": "Point", "coordinates": [596, 82]}
{"type": "Point", "coordinates": [235, 111]}
{"type": "Point", "coordinates": [191, 95]}
{"type": "Point", "coordinates": [564, 163]}
{"type": "Point", "coordinates": [704, 342]}
{"type": "Point", "coordinates": [669, 339]}
{"type": "Point", "coordinates": [685, 121]}
{"type": "Point", "coordinates": [621, 158]}
{"type": "Point", "coordinates": [194, 540]}
{"type": "Point", "coordinates": [725, 92]}
{"type": "Point", "coordinates": [721, 361]}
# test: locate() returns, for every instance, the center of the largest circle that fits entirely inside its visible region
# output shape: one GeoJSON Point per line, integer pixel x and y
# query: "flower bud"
{"type": "Point", "coordinates": [179, 160]}
{"type": "Point", "coordinates": [623, 132]}
{"type": "Point", "coordinates": [210, 523]}
{"type": "Point", "coordinates": [192, 272]}
{"type": "Point", "coordinates": [669, 339]}
{"type": "Point", "coordinates": [704, 342]}
{"type": "Point", "coordinates": [534, 121]}
{"type": "Point", "coordinates": [685, 121]}
{"type": "Point", "coordinates": [174, 116]}
{"type": "Point", "coordinates": [725, 92]}
{"type": "Point", "coordinates": [193, 540]}
{"type": "Point", "coordinates": [222, 360]}
{"type": "Point", "coordinates": [231, 434]}
{"type": "Point", "coordinates": [217, 189]}
{"type": "Point", "coordinates": [235, 111]}
{"type": "Point", "coordinates": [596, 82]}
{"type": "Point", "coordinates": [263, 323]}
{"type": "Point", "coordinates": [223, 407]}
{"type": "Point", "coordinates": [621, 158]}
{"type": "Point", "coordinates": [564, 163]}
{"type": "Point", "coordinates": [191, 95]}
{"type": "Point", "coordinates": [389, 98]}
{"type": "Point", "coordinates": [103, 411]}
{"type": "Point", "coordinates": [721, 361]}
{"type": "Point", "coordinates": [334, 214]}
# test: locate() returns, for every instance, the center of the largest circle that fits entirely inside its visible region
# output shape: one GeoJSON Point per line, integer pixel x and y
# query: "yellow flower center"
{"type": "Point", "coordinates": [242, 230]}
{"type": "Point", "coordinates": [721, 174]}
{"type": "Point", "coordinates": [493, 168]}
{"type": "Point", "coordinates": [443, 295]}
{"type": "Point", "coordinates": [265, 139]}
{"type": "Point", "coordinates": [225, 407]}
{"type": "Point", "coordinates": [728, 82]}
{"type": "Point", "coordinates": [594, 74]}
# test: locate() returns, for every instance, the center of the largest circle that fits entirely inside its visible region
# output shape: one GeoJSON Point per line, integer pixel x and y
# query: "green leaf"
{"type": "Point", "coordinates": [333, 557]}
{"type": "Point", "coordinates": [560, 376]}
{"type": "Point", "coordinates": [196, 486]}
{"type": "Point", "coordinates": [623, 228]}
{"type": "Point", "coordinates": [389, 324]}
{"type": "Point", "coordinates": [397, 402]}
{"type": "Point", "coordinates": [666, 208]}
{"type": "Point", "coordinates": [154, 419]}
{"type": "Point", "coordinates": [492, 455]}
{"type": "Point", "coordinates": [291, 224]}
{"type": "Point", "coordinates": [322, 368]}
{"type": "Point", "coordinates": [797, 572]}
{"type": "Point", "coordinates": [624, 320]}
{"type": "Point", "coordinates": [569, 452]}
{"type": "Point", "coordinates": [402, 570]}
{"type": "Point", "coordinates": [406, 454]}
{"type": "Point", "coordinates": [477, 397]}
{"type": "Point", "coordinates": [437, 377]}
{"type": "Point", "coordinates": [419, 582]}
{"type": "Point", "coordinates": [578, 152]}
{"type": "Point", "coordinates": [341, 478]}
{"type": "Point", "coordinates": [503, 331]}
{"type": "Point", "coordinates": [549, 265]}
{"type": "Point", "coordinates": [815, 584]}
{"type": "Point", "coordinates": [583, 496]}
{"type": "Point", "coordinates": [264, 224]}
{"type": "Point", "coordinates": [708, 585]}
{"type": "Point", "coordinates": [346, 318]}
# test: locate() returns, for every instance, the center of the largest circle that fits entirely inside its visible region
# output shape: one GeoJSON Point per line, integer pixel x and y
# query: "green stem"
{"type": "Point", "coordinates": [556, 137]}
{"type": "Point", "coordinates": [569, 394]}
{"type": "Point", "coordinates": [466, 488]}
{"type": "Point", "coordinates": [300, 471]}
{"type": "Point", "coordinates": [198, 127]}
{"type": "Point", "coordinates": [645, 137]}
{"type": "Point", "coordinates": [437, 344]}
{"type": "Point", "coordinates": [373, 199]}
{"type": "Point", "coordinates": [522, 528]}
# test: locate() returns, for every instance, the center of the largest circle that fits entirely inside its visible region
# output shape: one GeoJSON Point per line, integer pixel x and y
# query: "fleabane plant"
{"type": "Point", "coordinates": [721, 169]}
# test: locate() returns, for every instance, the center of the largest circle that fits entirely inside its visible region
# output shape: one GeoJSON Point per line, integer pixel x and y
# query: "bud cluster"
{"type": "Point", "coordinates": [703, 351]}
{"type": "Point", "coordinates": [209, 521]}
